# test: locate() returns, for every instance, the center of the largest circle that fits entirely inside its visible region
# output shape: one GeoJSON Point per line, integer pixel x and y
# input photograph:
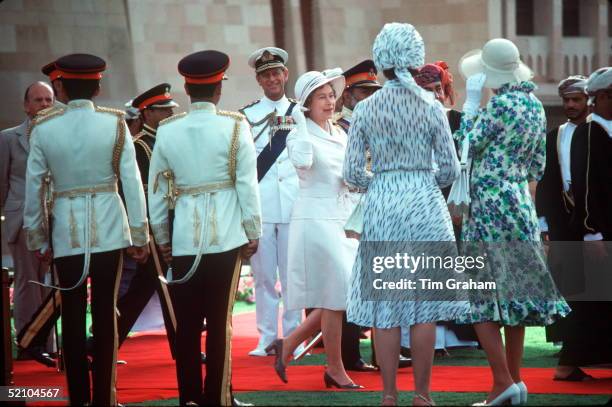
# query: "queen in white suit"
{"type": "Point", "coordinates": [320, 257]}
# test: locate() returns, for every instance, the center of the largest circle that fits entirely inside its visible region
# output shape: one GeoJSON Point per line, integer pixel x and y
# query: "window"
{"type": "Point", "coordinates": [571, 18]}
{"type": "Point", "coordinates": [524, 17]}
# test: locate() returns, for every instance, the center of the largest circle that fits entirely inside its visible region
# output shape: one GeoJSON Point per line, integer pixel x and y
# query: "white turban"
{"type": "Point", "coordinates": [601, 79]}
{"type": "Point", "coordinates": [572, 84]}
{"type": "Point", "coordinates": [400, 46]}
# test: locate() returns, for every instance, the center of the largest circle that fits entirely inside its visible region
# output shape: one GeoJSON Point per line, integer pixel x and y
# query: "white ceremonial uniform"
{"type": "Point", "coordinates": [88, 213]}
{"type": "Point", "coordinates": [214, 213]}
{"type": "Point", "coordinates": [278, 190]}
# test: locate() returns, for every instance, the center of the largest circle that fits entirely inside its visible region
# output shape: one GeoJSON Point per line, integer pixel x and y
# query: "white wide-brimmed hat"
{"type": "Point", "coordinates": [313, 80]}
{"type": "Point", "coordinates": [499, 60]}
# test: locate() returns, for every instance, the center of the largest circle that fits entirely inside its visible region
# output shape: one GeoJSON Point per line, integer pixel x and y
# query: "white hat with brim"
{"type": "Point", "coordinates": [499, 60]}
{"type": "Point", "coordinates": [268, 58]}
{"type": "Point", "coordinates": [312, 80]}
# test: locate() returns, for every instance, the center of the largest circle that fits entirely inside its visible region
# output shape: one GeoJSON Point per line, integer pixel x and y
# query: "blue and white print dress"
{"type": "Point", "coordinates": [403, 202]}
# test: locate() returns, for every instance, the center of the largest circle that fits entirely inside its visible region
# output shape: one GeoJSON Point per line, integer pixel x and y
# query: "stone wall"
{"type": "Point", "coordinates": [141, 40]}
{"type": "Point", "coordinates": [34, 32]}
{"type": "Point", "coordinates": [349, 31]}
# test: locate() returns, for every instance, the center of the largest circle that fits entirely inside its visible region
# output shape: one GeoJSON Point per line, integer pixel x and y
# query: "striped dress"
{"type": "Point", "coordinates": [403, 202]}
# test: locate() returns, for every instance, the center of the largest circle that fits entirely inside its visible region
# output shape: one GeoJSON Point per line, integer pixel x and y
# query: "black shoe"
{"type": "Point", "coordinates": [331, 382]}
{"type": "Point", "coordinates": [405, 352]}
{"type": "Point", "coordinates": [361, 366]}
{"type": "Point", "coordinates": [404, 362]}
{"type": "Point", "coordinates": [38, 355]}
{"type": "Point", "coordinates": [401, 363]}
{"type": "Point", "coordinates": [441, 353]}
{"type": "Point", "coordinates": [279, 366]}
{"type": "Point", "coordinates": [203, 358]}
{"type": "Point", "coordinates": [576, 375]}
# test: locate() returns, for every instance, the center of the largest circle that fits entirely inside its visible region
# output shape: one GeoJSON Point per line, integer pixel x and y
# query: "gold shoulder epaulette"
{"type": "Point", "coordinates": [48, 110]}
{"type": "Point", "coordinates": [145, 147]}
{"type": "Point", "coordinates": [172, 118]}
{"type": "Point", "coordinates": [234, 115]}
{"type": "Point", "coordinates": [110, 110]}
{"type": "Point", "coordinates": [49, 114]}
{"type": "Point", "coordinates": [253, 103]}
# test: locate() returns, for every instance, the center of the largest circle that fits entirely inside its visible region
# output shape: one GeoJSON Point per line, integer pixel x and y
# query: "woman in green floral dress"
{"type": "Point", "coordinates": [508, 148]}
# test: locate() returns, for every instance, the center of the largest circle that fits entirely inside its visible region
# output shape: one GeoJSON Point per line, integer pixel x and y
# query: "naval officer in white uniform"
{"type": "Point", "coordinates": [271, 121]}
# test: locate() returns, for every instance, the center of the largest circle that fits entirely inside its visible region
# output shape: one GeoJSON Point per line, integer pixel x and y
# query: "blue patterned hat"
{"type": "Point", "coordinates": [399, 46]}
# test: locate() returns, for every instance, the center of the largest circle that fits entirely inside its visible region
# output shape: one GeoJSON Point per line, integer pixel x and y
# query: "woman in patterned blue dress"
{"type": "Point", "coordinates": [400, 125]}
{"type": "Point", "coordinates": [507, 142]}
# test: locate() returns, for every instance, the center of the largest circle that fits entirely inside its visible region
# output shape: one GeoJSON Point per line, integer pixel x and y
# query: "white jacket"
{"type": "Point", "coordinates": [279, 187]}
{"type": "Point", "coordinates": [77, 146]}
{"type": "Point", "coordinates": [214, 213]}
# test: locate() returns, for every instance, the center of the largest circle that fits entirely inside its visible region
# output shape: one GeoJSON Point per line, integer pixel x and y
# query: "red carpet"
{"type": "Point", "coordinates": [150, 372]}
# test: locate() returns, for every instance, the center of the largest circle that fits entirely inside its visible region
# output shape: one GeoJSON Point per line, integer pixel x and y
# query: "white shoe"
{"type": "Point", "coordinates": [523, 388]}
{"type": "Point", "coordinates": [258, 352]}
{"type": "Point", "coordinates": [511, 394]}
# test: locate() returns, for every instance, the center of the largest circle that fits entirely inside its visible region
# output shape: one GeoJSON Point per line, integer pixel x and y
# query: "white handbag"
{"type": "Point", "coordinates": [354, 224]}
{"type": "Point", "coordinates": [459, 195]}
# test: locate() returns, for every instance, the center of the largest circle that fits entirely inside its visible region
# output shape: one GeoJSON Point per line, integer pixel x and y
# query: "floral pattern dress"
{"type": "Point", "coordinates": [508, 148]}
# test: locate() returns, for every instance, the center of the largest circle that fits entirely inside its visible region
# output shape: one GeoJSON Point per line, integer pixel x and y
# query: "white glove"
{"type": "Point", "coordinates": [298, 116]}
{"type": "Point", "coordinates": [473, 92]}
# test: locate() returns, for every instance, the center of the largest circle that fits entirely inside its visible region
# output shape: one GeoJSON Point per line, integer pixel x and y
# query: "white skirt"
{"type": "Point", "coordinates": [320, 263]}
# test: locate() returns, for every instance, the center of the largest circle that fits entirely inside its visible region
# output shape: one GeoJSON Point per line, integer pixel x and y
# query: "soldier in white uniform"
{"type": "Point", "coordinates": [270, 119]}
{"type": "Point", "coordinates": [204, 169]}
{"type": "Point", "coordinates": [85, 150]}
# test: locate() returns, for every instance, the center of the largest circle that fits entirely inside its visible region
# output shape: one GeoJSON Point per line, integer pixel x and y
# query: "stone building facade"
{"type": "Point", "coordinates": [142, 40]}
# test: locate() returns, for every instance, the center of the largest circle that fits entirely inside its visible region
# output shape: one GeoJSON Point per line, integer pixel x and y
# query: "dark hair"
{"type": "Point", "coordinates": [390, 73]}
{"type": "Point", "coordinates": [199, 91]}
{"type": "Point", "coordinates": [80, 88]}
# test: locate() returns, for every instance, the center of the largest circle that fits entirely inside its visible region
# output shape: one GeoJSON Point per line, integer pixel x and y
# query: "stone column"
{"type": "Point", "coordinates": [602, 52]}
{"type": "Point", "coordinates": [511, 20]}
{"type": "Point", "coordinates": [496, 16]}
{"type": "Point", "coordinates": [555, 41]}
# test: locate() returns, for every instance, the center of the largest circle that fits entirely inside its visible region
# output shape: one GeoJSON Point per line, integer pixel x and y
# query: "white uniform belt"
{"type": "Point", "coordinates": [83, 191]}
{"type": "Point", "coordinates": [204, 188]}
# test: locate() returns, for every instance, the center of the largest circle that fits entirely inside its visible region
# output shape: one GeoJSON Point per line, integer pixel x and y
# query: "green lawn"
{"type": "Point", "coordinates": [347, 398]}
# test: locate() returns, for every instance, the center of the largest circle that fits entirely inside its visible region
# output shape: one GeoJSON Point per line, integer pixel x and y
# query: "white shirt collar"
{"type": "Point", "coordinates": [80, 104]}
{"type": "Point", "coordinates": [203, 106]}
{"type": "Point", "coordinates": [274, 104]}
{"type": "Point", "coordinates": [606, 124]}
